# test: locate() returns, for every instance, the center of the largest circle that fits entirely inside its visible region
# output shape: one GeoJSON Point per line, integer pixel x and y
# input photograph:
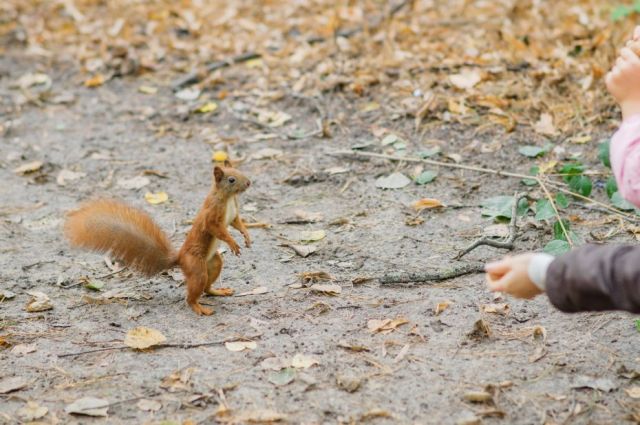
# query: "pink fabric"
{"type": "Point", "coordinates": [625, 159]}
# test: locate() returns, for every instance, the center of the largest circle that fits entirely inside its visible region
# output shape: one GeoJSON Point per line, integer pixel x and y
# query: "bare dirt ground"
{"type": "Point", "coordinates": [528, 364]}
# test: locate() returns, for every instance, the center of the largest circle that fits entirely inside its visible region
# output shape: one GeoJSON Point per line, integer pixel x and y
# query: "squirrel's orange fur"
{"type": "Point", "coordinates": [132, 237]}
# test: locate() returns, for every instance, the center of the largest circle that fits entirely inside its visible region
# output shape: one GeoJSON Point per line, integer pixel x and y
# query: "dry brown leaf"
{"type": "Point", "coordinates": [386, 325]}
{"type": "Point", "coordinates": [326, 288]}
{"type": "Point", "coordinates": [89, 406]}
{"type": "Point", "coordinates": [29, 167]}
{"type": "Point", "coordinates": [65, 176]}
{"type": "Point", "coordinates": [15, 383]}
{"type": "Point", "coordinates": [149, 405]}
{"type": "Point", "coordinates": [301, 361]}
{"type": "Point", "coordinates": [545, 125]}
{"type": "Point", "coordinates": [481, 330]}
{"type": "Point", "coordinates": [178, 380]}
{"type": "Point", "coordinates": [141, 338]}
{"type": "Point", "coordinates": [256, 291]}
{"type": "Point", "coordinates": [39, 302]}
{"type": "Point", "coordinates": [22, 349]}
{"type": "Point", "coordinates": [633, 392]}
{"type": "Point", "coordinates": [466, 80]}
{"type": "Point", "coordinates": [478, 397]}
{"type": "Point", "coordinates": [502, 309]}
{"type": "Point", "coordinates": [32, 411]}
{"type": "Point", "coordinates": [441, 306]}
{"type": "Point", "coordinates": [308, 277]}
{"type": "Point", "coordinates": [95, 81]}
{"type": "Point", "coordinates": [427, 203]}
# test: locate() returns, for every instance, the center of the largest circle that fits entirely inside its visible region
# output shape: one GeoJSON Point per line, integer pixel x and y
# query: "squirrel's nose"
{"type": "Point", "coordinates": [248, 183]}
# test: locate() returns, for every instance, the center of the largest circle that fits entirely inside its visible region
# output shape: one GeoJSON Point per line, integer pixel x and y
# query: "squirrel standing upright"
{"type": "Point", "coordinates": [131, 236]}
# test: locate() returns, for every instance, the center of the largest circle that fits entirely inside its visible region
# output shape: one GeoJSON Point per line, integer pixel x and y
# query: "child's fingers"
{"type": "Point", "coordinates": [636, 33]}
{"type": "Point", "coordinates": [498, 267]}
{"type": "Point", "coordinates": [494, 284]}
{"type": "Point", "coordinates": [629, 55]}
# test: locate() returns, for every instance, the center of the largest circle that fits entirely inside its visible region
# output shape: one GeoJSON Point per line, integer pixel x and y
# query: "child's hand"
{"type": "Point", "coordinates": [511, 275]}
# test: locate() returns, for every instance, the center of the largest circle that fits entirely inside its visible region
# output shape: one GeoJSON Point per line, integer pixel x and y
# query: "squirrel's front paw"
{"type": "Point", "coordinates": [234, 247]}
{"type": "Point", "coordinates": [247, 241]}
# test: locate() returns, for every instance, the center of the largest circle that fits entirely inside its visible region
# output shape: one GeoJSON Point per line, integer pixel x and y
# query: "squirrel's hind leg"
{"type": "Point", "coordinates": [195, 271]}
{"type": "Point", "coordinates": [214, 267]}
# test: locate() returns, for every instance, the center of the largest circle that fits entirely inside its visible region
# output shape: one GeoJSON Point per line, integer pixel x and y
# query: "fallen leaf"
{"type": "Point", "coordinates": [545, 125]}
{"type": "Point", "coordinates": [386, 325]}
{"type": "Point", "coordinates": [426, 203]}
{"type": "Point", "coordinates": [266, 153]}
{"type": "Point", "coordinates": [393, 181]}
{"type": "Point", "coordinates": [633, 392]}
{"type": "Point", "coordinates": [275, 363]}
{"type": "Point", "coordinates": [259, 417]}
{"type": "Point", "coordinates": [156, 198]}
{"type": "Point", "coordinates": [6, 295]}
{"type": "Point", "coordinates": [95, 81]}
{"type": "Point", "coordinates": [308, 277]}
{"type": "Point", "coordinates": [481, 330]}
{"type": "Point", "coordinates": [403, 352]}
{"type": "Point", "coordinates": [32, 411]}
{"type": "Point", "coordinates": [178, 380]}
{"type": "Point", "coordinates": [283, 377]}
{"type": "Point", "coordinates": [134, 183]}
{"type": "Point", "coordinates": [311, 236]}
{"type": "Point", "coordinates": [141, 338]}
{"type": "Point", "coordinates": [273, 119]}
{"type": "Point", "coordinates": [32, 79]}
{"type": "Point", "coordinates": [188, 94]}
{"type": "Point", "coordinates": [256, 291]}
{"type": "Point", "coordinates": [352, 347]}
{"type": "Point", "coordinates": [502, 309]}
{"type": "Point", "coordinates": [375, 413]}
{"type": "Point", "coordinates": [348, 382]}
{"type": "Point", "coordinates": [28, 168]}
{"type": "Point", "coordinates": [441, 306]}
{"type": "Point", "coordinates": [89, 406]}
{"type": "Point", "coordinates": [206, 108]}
{"type": "Point", "coordinates": [236, 346]}
{"type": "Point", "coordinates": [39, 302]}
{"type": "Point", "coordinates": [301, 361]}
{"type": "Point", "coordinates": [22, 349]}
{"type": "Point", "coordinates": [149, 405]}
{"type": "Point", "coordinates": [326, 288]}
{"type": "Point", "coordinates": [478, 397]}
{"type": "Point", "coordinates": [466, 80]}
{"type": "Point", "coordinates": [369, 106]}
{"type": "Point", "coordinates": [148, 89]}
{"type": "Point", "coordinates": [15, 383]}
{"type": "Point", "coordinates": [67, 175]}
{"type": "Point", "coordinates": [302, 250]}
{"type": "Point", "coordinates": [538, 354]}
{"type": "Point", "coordinates": [362, 280]}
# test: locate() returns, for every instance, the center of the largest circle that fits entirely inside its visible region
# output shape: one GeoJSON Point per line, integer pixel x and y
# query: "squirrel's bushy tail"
{"type": "Point", "coordinates": [127, 233]}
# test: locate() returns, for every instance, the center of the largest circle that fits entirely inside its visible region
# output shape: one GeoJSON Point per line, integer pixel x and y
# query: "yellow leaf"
{"type": "Point", "coordinates": [220, 156]}
{"type": "Point", "coordinates": [370, 106]}
{"type": "Point", "coordinates": [580, 140]}
{"type": "Point", "coordinates": [29, 167]}
{"type": "Point", "coordinates": [156, 198]}
{"type": "Point", "coordinates": [312, 235]}
{"type": "Point", "coordinates": [442, 306]}
{"type": "Point", "coordinates": [141, 338]}
{"type": "Point", "coordinates": [385, 325]}
{"type": "Point", "coordinates": [207, 107]}
{"type": "Point", "coordinates": [254, 63]}
{"type": "Point", "coordinates": [633, 392]}
{"type": "Point", "coordinates": [425, 203]}
{"type": "Point", "coordinates": [148, 89]}
{"type": "Point", "coordinates": [95, 81]}
{"type": "Point", "coordinates": [547, 166]}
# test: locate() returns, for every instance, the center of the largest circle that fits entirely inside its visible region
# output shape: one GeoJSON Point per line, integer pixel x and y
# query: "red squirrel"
{"type": "Point", "coordinates": [131, 236]}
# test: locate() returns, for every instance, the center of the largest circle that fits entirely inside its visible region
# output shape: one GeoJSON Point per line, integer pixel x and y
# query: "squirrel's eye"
{"type": "Point", "coordinates": [232, 180]}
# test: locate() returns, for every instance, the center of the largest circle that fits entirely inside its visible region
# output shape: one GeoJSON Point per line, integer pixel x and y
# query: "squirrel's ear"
{"type": "Point", "coordinates": [227, 163]}
{"type": "Point", "coordinates": [218, 174]}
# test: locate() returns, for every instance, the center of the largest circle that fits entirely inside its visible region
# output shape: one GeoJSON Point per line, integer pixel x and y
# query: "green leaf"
{"type": "Point", "coordinates": [426, 177]}
{"type": "Point", "coordinates": [611, 186]}
{"type": "Point", "coordinates": [557, 247]}
{"type": "Point", "coordinates": [620, 203]}
{"type": "Point", "coordinates": [620, 12]}
{"type": "Point", "coordinates": [557, 229]}
{"type": "Point", "coordinates": [562, 201]}
{"type": "Point", "coordinates": [544, 210]}
{"type": "Point", "coordinates": [94, 285]}
{"type": "Point", "coordinates": [534, 171]}
{"type": "Point", "coordinates": [581, 185]}
{"type": "Point", "coordinates": [429, 152]}
{"type": "Point", "coordinates": [501, 206]}
{"type": "Point", "coordinates": [603, 153]}
{"type": "Point", "coordinates": [532, 151]}
{"type": "Point", "coordinates": [572, 169]}
{"type": "Point", "coordinates": [637, 323]}
{"type": "Point", "coordinates": [282, 377]}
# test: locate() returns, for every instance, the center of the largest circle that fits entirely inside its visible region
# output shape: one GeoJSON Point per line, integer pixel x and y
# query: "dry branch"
{"type": "Point", "coordinates": [423, 277]}
{"type": "Point", "coordinates": [508, 242]}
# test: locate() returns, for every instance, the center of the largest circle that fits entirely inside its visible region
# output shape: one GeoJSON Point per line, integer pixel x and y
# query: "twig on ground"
{"type": "Point", "coordinates": [36, 264]}
{"type": "Point", "coordinates": [167, 345]}
{"type": "Point", "coordinates": [423, 277]}
{"type": "Point", "coordinates": [555, 210]}
{"type": "Point", "coordinates": [508, 242]}
{"type": "Point", "coordinates": [195, 76]}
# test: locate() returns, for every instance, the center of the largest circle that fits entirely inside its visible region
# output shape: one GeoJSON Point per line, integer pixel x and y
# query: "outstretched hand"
{"type": "Point", "coordinates": [511, 276]}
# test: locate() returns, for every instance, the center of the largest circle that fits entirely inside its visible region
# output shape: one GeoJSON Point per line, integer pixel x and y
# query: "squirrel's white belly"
{"type": "Point", "coordinates": [230, 214]}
